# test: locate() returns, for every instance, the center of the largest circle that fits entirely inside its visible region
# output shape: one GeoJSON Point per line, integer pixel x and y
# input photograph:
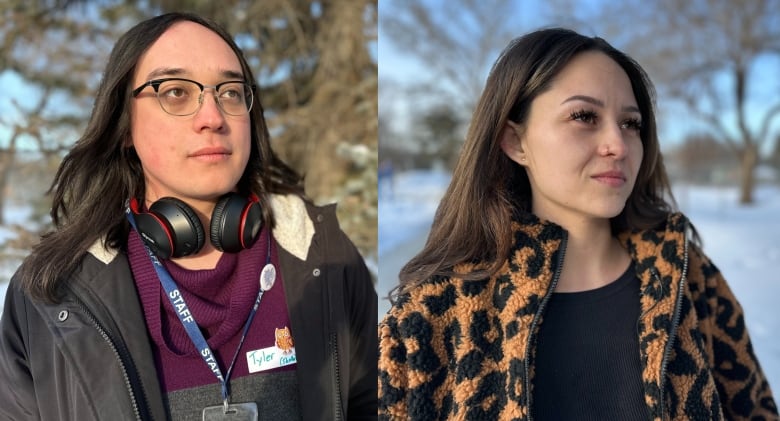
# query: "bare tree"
{"type": "Point", "coordinates": [437, 131]}
{"type": "Point", "coordinates": [774, 157]}
{"type": "Point", "coordinates": [57, 54]}
{"type": "Point", "coordinates": [458, 41]}
{"type": "Point", "coordinates": [702, 159]}
{"type": "Point", "coordinates": [7, 161]}
{"type": "Point", "coordinates": [30, 127]}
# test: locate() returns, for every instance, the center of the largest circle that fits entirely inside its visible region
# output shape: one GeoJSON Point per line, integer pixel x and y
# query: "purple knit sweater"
{"type": "Point", "coordinates": [220, 300]}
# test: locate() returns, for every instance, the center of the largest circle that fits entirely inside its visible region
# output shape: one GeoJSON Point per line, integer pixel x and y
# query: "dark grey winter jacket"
{"type": "Point", "coordinates": [90, 358]}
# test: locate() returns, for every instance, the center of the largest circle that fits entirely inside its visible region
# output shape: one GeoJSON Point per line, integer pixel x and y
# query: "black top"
{"type": "Point", "coordinates": [587, 355]}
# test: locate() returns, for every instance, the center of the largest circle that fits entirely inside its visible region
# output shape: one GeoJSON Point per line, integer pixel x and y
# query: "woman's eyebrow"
{"type": "Point", "coordinates": [599, 103]}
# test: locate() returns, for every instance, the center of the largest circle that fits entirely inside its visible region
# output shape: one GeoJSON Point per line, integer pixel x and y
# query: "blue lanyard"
{"type": "Point", "coordinates": [188, 321]}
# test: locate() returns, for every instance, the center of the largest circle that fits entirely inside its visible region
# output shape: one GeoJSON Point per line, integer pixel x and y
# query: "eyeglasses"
{"type": "Point", "coordinates": [183, 97]}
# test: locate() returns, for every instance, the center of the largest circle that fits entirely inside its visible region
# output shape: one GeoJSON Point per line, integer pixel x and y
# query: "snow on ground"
{"type": "Point", "coordinates": [406, 206]}
{"type": "Point", "coordinates": [741, 241]}
{"type": "Point", "coordinates": [406, 209]}
{"type": "Point", "coordinates": [3, 288]}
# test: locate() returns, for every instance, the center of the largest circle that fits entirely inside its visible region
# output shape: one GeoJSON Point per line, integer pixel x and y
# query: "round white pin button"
{"type": "Point", "coordinates": [267, 277]}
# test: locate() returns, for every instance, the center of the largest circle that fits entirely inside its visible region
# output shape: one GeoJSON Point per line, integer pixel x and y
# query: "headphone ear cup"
{"type": "Point", "coordinates": [184, 229]}
{"type": "Point", "coordinates": [235, 223]}
{"type": "Point", "coordinates": [155, 233]}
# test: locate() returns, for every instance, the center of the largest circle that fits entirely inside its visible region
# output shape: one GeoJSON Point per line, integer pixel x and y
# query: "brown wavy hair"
{"type": "Point", "coordinates": [472, 222]}
{"type": "Point", "coordinates": [102, 169]}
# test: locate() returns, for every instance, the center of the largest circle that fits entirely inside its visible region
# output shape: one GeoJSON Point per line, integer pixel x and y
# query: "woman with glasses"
{"type": "Point", "coordinates": [557, 282]}
{"type": "Point", "coordinates": [187, 277]}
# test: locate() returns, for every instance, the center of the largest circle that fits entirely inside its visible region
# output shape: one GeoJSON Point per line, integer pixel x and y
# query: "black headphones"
{"type": "Point", "coordinates": [172, 229]}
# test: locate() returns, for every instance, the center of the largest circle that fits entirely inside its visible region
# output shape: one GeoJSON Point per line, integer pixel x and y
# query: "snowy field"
{"type": "Point", "coordinates": [741, 241]}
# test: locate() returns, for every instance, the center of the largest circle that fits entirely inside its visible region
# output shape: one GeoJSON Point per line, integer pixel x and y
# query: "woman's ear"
{"type": "Point", "coordinates": [511, 143]}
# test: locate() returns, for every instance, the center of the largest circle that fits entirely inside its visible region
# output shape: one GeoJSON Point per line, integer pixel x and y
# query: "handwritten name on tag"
{"type": "Point", "coordinates": [268, 358]}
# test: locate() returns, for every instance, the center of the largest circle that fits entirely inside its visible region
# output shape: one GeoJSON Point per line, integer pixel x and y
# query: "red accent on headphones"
{"type": "Point", "coordinates": [172, 229]}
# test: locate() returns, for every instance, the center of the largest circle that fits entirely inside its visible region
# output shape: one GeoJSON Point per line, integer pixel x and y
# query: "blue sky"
{"type": "Point", "coordinates": [398, 68]}
{"type": "Point", "coordinates": [12, 87]}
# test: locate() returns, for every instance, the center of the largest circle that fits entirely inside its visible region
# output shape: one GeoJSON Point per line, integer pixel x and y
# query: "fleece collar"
{"type": "Point", "coordinates": [294, 229]}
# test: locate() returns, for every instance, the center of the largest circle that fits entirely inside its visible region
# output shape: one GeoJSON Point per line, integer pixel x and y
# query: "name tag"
{"type": "Point", "coordinates": [268, 358]}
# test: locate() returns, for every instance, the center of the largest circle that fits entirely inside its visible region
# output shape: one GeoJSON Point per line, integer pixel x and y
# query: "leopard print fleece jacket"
{"type": "Point", "coordinates": [464, 350]}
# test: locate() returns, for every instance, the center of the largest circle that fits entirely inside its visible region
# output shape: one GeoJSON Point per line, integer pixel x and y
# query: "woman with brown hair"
{"type": "Point", "coordinates": [557, 282]}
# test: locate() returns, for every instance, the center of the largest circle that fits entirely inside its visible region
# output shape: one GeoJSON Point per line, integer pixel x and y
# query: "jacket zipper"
{"type": "Point", "coordinates": [675, 323]}
{"type": "Point", "coordinates": [336, 378]}
{"type": "Point", "coordinates": [338, 411]}
{"type": "Point", "coordinates": [121, 358]}
{"type": "Point", "coordinates": [550, 289]}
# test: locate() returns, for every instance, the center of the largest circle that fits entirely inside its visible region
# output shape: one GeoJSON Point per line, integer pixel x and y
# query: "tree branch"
{"type": "Point", "coordinates": [770, 115]}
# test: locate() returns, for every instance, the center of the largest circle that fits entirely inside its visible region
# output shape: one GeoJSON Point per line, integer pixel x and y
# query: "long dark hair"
{"type": "Point", "coordinates": [472, 221]}
{"type": "Point", "coordinates": [102, 170]}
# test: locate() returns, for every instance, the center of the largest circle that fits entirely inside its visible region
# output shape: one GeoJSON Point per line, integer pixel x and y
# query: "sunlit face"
{"type": "Point", "coordinates": [197, 157]}
{"type": "Point", "coordinates": [580, 145]}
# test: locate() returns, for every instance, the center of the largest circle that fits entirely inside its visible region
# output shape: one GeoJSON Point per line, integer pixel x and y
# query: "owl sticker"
{"type": "Point", "coordinates": [284, 340]}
